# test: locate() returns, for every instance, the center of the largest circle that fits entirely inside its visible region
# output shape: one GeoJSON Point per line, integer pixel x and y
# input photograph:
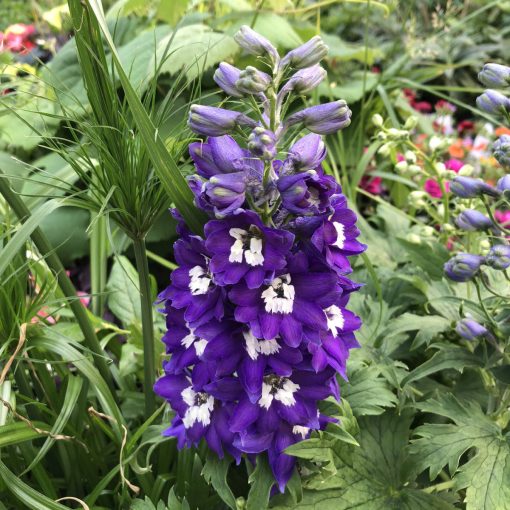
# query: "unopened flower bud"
{"type": "Point", "coordinates": [306, 80]}
{"type": "Point", "coordinates": [484, 246]}
{"type": "Point", "coordinates": [226, 192]}
{"type": "Point", "coordinates": [413, 238]}
{"type": "Point", "coordinates": [440, 168]}
{"type": "Point", "coordinates": [262, 143]}
{"type": "Point", "coordinates": [495, 75]}
{"type": "Point", "coordinates": [467, 187]}
{"type": "Point", "coordinates": [255, 43]}
{"type": "Point", "coordinates": [428, 231]}
{"type": "Point", "coordinates": [470, 329]}
{"type": "Point", "coordinates": [417, 199]}
{"type": "Point", "coordinates": [503, 184]}
{"type": "Point", "coordinates": [323, 119]}
{"type": "Point", "coordinates": [436, 143]}
{"type": "Point", "coordinates": [463, 267]}
{"type": "Point", "coordinates": [377, 120]}
{"type": "Point", "coordinates": [411, 122]}
{"type": "Point", "coordinates": [410, 157]}
{"type": "Point", "coordinates": [306, 55]}
{"type": "Point", "coordinates": [446, 227]}
{"type": "Point", "coordinates": [211, 121]}
{"type": "Point", "coordinates": [501, 150]}
{"type": "Point", "coordinates": [385, 149]}
{"type": "Point", "coordinates": [466, 170]}
{"type": "Point", "coordinates": [494, 102]}
{"type": "Point", "coordinates": [253, 81]}
{"type": "Point", "coordinates": [226, 77]}
{"type": "Point", "coordinates": [414, 169]}
{"type": "Point", "coordinates": [472, 220]}
{"type": "Point", "coordinates": [499, 257]}
{"type": "Point", "coordinates": [401, 166]}
{"type": "Point", "coordinates": [381, 135]}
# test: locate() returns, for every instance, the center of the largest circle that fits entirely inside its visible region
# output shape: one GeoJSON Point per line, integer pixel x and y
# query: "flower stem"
{"type": "Point", "coordinates": [64, 282]}
{"type": "Point", "coordinates": [149, 370]}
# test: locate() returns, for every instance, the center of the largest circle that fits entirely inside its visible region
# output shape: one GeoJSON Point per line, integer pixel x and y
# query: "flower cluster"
{"type": "Point", "coordinates": [256, 312]}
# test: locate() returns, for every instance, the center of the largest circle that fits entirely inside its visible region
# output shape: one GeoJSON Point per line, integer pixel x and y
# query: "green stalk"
{"type": "Point", "coordinates": [149, 370]}
{"type": "Point", "coordinates": [67, 287]}
{"type": "Point", "coordinates": [98, 264]}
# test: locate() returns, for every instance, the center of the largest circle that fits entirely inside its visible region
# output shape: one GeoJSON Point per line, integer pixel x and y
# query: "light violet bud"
{"type": "Point", "coordinates": [499, 257]}
{"type": "Point", "coordinates": [463, 267]}
{"type": "Point", "coordinates": [323, 119]}
{"type": "Point", "coordinates": [470, 329]}
{"type": "Point", "coordinates": [255, 43]}
{"type": "Point", "coordinates": [306, 154]}
{"type": "Point", "coordinates": [377, 120]}
{"type": "Point", "coordinates": [495, 75]}
{"type": "Point", "coordinates": [211, 121]}
{"type": "Point", "coordinates": [253, 81]}
{"type": "Point", "coordinates": [226, 192]}
{"type": "Point", "coordinates": [504, 183]}
{"type": "Point", "coordinates": [472, 220]}
{"type": "Point", "coordinates": [226, 77]}
{"type": "Point", "coordinates": [262, 143]}
{"type": "Point", "coordinates": [492, 101]}
{"type": "Point", "coordinates": [306, 80]}
{"type": "Point", "coordinates": [501, 150]}
{"type": "Point", "coordinates": [468, 187]}
{"type": "Point", "coordinates": [306, 55]}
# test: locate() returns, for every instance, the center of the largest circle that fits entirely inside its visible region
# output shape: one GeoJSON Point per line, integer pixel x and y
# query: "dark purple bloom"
{"type": "Point", "coordinates": [255, 43]}
{"type": "Point", "coordinates": [306, 55]}
{"type": "Point", "coordinates": [323, 119]}
{"type": "Point", "coordinates": [212, 121]}
{"type": "Point", "coordinates": [226, 77]}
{"type": "Point", "coordinates": [253, 81]}
{"type": "Point", "coordinates": [470, 329]}
{"type": "Point", "coordinates": [262, 143]}
{"type": "Point", "coordinates": [242, 247]}
{"type": "Point", "coordinates": [499, 257]}
{"type": "Point", "coordinates": [468, 187]}
{"type": "Point", "coordinates": [495, 75]}
{"type": "Point", "coordinates": [307, 192]}
{"type": "Point", "coordinates": [463, 267]}
{"type": "Point", "coordinates": [193, 288]}
{"type": "Point", "coordinates": [501, 150]}
{"type": "Point", "coordinates": [492, 101]}
{"type": "Point", "coordinates": [471, 220]}
{"type": "Point", "coordinates": [226, 193]}
{"type": "Point", "coordinates": [336, 236]}
{"type": "Point", "coordinates": [292, 304]}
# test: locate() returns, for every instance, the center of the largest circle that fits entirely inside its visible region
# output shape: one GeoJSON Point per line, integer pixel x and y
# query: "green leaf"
{"type": "Point", "coordinates": [430, 256]}
{"type": "Point", "coordinates": [18, 432]}
{"type": "Point", "coordinates": [368, 392]}
{"type": "Point", "coordinates": [261, 481]}
{"type": "Point", "coordinates": [18, 240]}
{"type": "Point", "coordinates": [374, 476]}
{"type": "Point", "coordinates": [123, 292]}
{"type": "Point", "coordinates": [71, 397]}
{"type": "Point", "coordinates": [448, 357]}
{"type": "Point", "coordinates": [345, 51]}
{"type": "Point", "coordinates": [486, 476]}
{"type": "Point", "coordinates": [215, 472]}
{"type": "Point", "coordinates": [194, 49]}
{"type": "Point", "coordinates": [24, 493]}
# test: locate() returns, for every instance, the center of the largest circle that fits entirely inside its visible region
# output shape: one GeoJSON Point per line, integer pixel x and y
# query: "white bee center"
{"type": "Point", "coordinates": [299, 429]}
{"type": "Point", "coordinates": [340, 234]}
{"type": "Point", "coordinates": [200, 280]}
{"type": "Point", "coordinates": [336, 320]}
{"type": "Point", "coordinates": [191, 339]}
{"type": "Point", "coordinates": [279, 296]}
{"type": "Point", "coordinates": [277, 388]}
{"type": "Point", "coordinates": [199, 409]}
{"type": "Point", "coordinates": [254, 346]}
{"type": "Point", "coordinates": [247, 244]}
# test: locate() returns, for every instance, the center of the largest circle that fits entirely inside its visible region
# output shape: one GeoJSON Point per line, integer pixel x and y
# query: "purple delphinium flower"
{"type": "Point", "coordinates": [469, 187]}
{"type": "Point", "coordinates": [499, 257]}
{"type": "Point", "coordinates": [257, 310]}
{"type": "Point", "coordinates": [495, 75]}
{"type": "Point", "coordinates": [471, 220]}
{"type": "Point", "coordinates": [242, 247]}
{"type": "Point", "coordinates": [463, 267]}
{"type": "Point", "coordinates": [492, 101]}
{"type": "Point", "coordinates": [501, 150]}
{"type": "Point", "coordinates": [470, 329]}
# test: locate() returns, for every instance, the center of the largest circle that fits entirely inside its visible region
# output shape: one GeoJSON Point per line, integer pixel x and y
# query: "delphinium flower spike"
{"type": "Point", "coordinates": [257, 317]}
